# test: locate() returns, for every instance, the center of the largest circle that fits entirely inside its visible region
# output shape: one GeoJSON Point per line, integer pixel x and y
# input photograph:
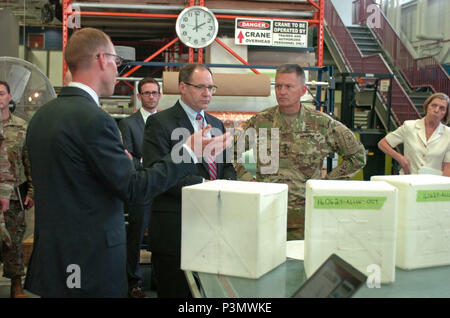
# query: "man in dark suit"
{"type": "Point", "coordinates": [132, 129]}
{"type": "Point", "coordinates": [82, 175]}
{"type": "Point", "coordinates": [196, 87]}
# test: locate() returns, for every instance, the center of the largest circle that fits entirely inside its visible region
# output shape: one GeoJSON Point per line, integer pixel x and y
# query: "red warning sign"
{"type": "Point", "coordinates": [253, 32]}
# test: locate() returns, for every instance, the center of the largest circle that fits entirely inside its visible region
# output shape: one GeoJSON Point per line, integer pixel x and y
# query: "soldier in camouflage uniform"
{"type": "Point", "coordinates": [21, 198]}
{"type": "Point", "coordinates": [6, 187]}
{"type": "Point", "coordinates": [6, 178]}
{"type": "Point", "coordinates": [306, 136]}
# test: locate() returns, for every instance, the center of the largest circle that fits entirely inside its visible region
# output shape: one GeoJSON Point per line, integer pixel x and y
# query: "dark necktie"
{"type": "Point", "coordinates": [211, 161]}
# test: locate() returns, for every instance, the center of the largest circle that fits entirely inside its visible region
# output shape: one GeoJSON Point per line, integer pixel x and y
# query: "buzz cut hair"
{"type": "Point", "coordinates": [6, 85]}
{"type": "Point", "coordinates": [293, 68]}
{"type": "Point", "coordinates": [83, 46]}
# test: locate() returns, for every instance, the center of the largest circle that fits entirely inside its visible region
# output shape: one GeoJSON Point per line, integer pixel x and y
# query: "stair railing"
{"type": "Point", "coordinates": [401, 105]}
{"type": "Point", "coordinates": [421, 72]}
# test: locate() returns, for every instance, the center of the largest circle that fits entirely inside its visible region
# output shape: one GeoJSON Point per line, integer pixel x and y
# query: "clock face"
{"type": "Point", "coordinates": [197, 27]}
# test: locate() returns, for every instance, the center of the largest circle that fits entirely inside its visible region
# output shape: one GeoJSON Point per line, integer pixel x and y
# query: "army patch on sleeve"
{"type": "Point", "coordinates": [348, 139]}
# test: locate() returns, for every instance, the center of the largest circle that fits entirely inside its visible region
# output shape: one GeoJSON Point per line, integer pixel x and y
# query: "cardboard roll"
{"type": "Point", "coordinates": [227, 84]}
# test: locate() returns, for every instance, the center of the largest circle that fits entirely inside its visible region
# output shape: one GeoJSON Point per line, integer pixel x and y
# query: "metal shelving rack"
{"type": "Point", "coordinates": [318, 19]}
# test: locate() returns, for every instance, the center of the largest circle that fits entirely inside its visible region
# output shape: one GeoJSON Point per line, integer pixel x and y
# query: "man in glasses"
{"type": "Point", "coordinates": [132, 129]}
{"type": "Point", "coordinates": [196, 87]}
{"type": "Point", "coordinates": [82, 176]}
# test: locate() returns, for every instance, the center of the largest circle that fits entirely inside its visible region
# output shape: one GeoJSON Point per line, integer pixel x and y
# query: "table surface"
{"type": "Point", "coordinates": [286, 279]}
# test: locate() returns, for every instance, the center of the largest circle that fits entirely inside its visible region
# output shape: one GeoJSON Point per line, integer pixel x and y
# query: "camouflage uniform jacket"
{"type": "Point", "coordinates": [6, 178]}
{"type": "Point", "coordinates": [303, 145]}
{"type": "Point", "coordinates": [15, 129]}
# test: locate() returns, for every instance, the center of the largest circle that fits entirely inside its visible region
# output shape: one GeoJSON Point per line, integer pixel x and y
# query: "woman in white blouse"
{"type": "Point", "coordinates": [426, 141]}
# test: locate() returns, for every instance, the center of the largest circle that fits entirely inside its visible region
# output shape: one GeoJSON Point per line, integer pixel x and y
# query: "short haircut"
{"type": "Point", "coordinates": [6, 85]}
{"type": "Point", "coordinates": [147, 80]}
{"type": "Point", "coordinates": [186, 72]}
{"type": "Point", "coordinates": [293, 68]}
{"type": "Point", "coordinates": [82, 47]}
{"type": "Point", "coordinates": [441, 96]}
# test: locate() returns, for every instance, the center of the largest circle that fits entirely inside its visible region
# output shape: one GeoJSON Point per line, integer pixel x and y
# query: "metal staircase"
{"type": "Point", "coordinates": [368, 44]}
{"type": "Point", "coordinates": [348, 56]}
{"type": "Point", "coordinates": [364, 39]}
{"type": "Point", "coordinates": [424, 74]}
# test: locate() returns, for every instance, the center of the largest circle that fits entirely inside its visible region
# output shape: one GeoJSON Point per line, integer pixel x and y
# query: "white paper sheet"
{"type": "Point", "coordinates": [295, 249]}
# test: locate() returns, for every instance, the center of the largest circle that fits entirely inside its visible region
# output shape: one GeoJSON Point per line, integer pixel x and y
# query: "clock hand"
{"type": "Point", "coordinates": [196, 24]}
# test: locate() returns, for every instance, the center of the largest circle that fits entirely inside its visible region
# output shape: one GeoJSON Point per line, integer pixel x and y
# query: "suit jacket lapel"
{"type": "Point", "coordinates": [139, 120]}
{"type": "Point", "coordinates": [182, 119]}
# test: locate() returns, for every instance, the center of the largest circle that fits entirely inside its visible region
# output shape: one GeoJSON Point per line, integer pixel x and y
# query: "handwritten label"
{"type": "Point", "coordinates": [433, 195]}
{"type": "Point", "coordinates": [349, 202]}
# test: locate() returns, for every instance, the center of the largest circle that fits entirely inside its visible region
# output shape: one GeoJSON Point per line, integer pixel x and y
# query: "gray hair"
{"type": "Point", "coordinates": [293, 68]}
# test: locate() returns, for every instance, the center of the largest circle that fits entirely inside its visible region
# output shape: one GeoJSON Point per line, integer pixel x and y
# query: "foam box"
{"type": "Point", "coordinates": [423, 234]}
{"type": "Point", "coordinates": [354, 219]}
{"type": "Point", "coordinates": [234, 228]}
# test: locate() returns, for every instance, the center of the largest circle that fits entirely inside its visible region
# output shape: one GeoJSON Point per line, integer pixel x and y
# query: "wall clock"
{"type": "Point", "coordinates": [197, 27]}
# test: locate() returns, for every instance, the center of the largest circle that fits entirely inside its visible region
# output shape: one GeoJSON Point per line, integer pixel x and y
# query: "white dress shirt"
{"type": "Point", "coordinates": [192, 115]}
{"type": "Point", "coordinates": [420, 152]}
{"type": "Point", "coordinates": [145, 114]}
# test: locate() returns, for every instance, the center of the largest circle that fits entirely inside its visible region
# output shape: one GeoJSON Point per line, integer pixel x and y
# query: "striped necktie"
{"type": "Point", "coordinates": [211, 161]}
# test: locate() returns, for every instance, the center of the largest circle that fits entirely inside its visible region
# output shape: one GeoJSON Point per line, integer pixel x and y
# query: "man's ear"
{"type": "Point", "coordinates": [101, 60]}
{"type": "Point", "coordinates": [181, 87]}
{"type": "Point", "coordinates": [304, 88]}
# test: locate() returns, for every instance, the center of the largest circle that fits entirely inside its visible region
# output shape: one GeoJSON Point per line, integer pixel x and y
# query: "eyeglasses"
{"type": "Point", "coordinates": [152, 93]}
{"type": "Point", "coordinates": [117, 58]}
{"type": "Point", "coordinates": [212, 88]}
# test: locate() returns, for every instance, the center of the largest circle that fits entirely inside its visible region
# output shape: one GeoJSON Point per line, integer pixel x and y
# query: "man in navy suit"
{"type": "Point", "coordinates": [196, 86]}
{"type": "Point", "coordinates": [132, 129]}
{"type": "Point", "coordinates": [82, 176]}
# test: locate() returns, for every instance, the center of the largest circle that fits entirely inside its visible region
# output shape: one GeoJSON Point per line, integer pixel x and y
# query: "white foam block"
{"type": "Point", "coordinates": [355, 220]}
{"type": "Point", "coordinates": [423, 234]}
{"type": "Point", "coordinates": [234, 228]}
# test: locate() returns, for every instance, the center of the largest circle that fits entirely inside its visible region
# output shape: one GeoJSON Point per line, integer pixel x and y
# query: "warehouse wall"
{"type": "Point", "coordinates": [10, 39]}
{"type": "Point", "coordinates": [424, 24]}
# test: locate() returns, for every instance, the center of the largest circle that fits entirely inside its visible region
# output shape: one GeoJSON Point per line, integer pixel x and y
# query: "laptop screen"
{"type": "Point", "coordinates": [335, 278]}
